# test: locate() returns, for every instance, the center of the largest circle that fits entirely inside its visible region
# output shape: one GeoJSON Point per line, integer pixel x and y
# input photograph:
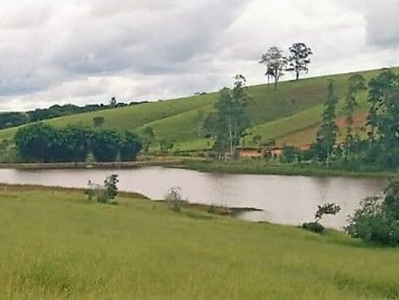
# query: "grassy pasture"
{"type": "Point", "coordinates": [290, 114]}
{"type": "Point", "coordinates": [56, 245]}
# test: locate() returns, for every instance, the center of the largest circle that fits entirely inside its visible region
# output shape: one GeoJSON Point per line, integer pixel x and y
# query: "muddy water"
{"type": "Point", "coordinates": [283, 199]}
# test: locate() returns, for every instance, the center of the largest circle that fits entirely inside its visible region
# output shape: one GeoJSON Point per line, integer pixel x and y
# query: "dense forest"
{"type": "Point", "coordinates": [43, 143]}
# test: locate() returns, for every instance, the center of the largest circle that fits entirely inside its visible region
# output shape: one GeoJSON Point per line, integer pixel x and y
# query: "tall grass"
{"type": "Point", "coordinates": [56, 245]}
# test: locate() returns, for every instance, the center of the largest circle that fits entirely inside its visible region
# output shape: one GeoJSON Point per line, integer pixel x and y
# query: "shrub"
{"type": "Point", "coordinates": [174, 199]}
{"type": "Point", "coordinates": [376, 220]}
{"type": "Point", "coordinates": [110, 184]}
{"type": "Point", "coordinates": [325, 209]}
{"type": "Point", "coordinates": [105, 193]}
{"type": "Point", "coordinates": [313, 226]}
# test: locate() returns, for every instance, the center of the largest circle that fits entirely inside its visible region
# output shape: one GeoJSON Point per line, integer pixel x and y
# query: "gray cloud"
{"type": "Point", "coordinates": [144, 41]}
{"type": "Point", "coordinates": [90, 50]}
{"type": "Point", "coordinates": [64, 41]}
{"type": "Point", "coordinates": [382, 24]}
{"type": "Point", "coordinates": [380, 20]}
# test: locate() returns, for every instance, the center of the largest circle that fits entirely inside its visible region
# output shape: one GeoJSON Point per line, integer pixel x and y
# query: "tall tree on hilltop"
{"type": "Point", "coordinates": [275, 63]}
{"type": "Point", "coordinates": [327, 134]}
{"type": "Point", "coordinates": [299, 59]}
{"type": "Point", "coordinates": [112, 102]}
{"type": "Point", "coordinates": [229, 122]}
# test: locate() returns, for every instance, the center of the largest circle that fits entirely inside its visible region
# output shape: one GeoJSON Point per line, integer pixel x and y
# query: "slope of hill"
{"type": "Point", "coordinates": [57, 245]}
{"type": "Point", "coordinates": [290, 114]}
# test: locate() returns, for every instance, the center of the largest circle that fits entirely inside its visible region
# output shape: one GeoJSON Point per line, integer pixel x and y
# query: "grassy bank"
{"type": "Point", "coordinates": [166, 161]}
{"type": "Point", "coordinates": [262, 167]}
{"type": "Point", "coordinates": [56, 245]}
{"type": "Point", "coordinates": [255, 166]}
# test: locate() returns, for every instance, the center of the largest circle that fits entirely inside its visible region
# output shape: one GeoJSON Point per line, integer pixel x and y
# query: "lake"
{"type": "Point", "coordinates": [283, 199]}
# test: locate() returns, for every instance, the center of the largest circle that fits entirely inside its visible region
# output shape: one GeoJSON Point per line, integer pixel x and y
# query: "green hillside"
{"type": "Point", "coordinates": [290, 114]}
{"type": "Point", "coordinates": [57, 245]}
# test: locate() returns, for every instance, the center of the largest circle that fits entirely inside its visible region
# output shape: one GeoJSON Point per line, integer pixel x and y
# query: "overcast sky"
{"type": "Point", "coordinates": [87, 51]}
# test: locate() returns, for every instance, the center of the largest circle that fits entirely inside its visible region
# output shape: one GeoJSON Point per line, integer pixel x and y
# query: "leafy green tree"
{"type": "Point", "coordinates": [275, 63]}
{"type": "Point", "coordinates": [35, 142]}
{"type": "Point", "coordinates": [327, 134]}
{"type": "Point", "coordinates": [75, 143]}
{"type": "Point", "coordinates": [356, 83]}
{"type": "Point", "coordinates": [105, 145]}
{"type": "Point", "coordinates": [383, 117]}
{"type": "Point", "coordinates": [148, 137]}
{"type": "Point", "coordinates": [290, 154]}
{"type": "Point", "coordinates": [299, 59]}
{"type": "Point", "coordinates": [200, 122]}
{"type": "Point", "coordinates": [43, 143]}
{"type": "Point", "coordinates": [377, 219]}
{"type": "Point", "coordinates": [325, 209]}
{"type": "Point", "coordinates": [166, 145]}
{"type": "Point", "coordinates": [105, 193]}
{"type": "Point", "coordinates": [129, 146]}
{"type": "Point", "coordinates": [230, 119]}
{"type": "Point", "coordinates": [210, 123]}
{"type": "Point", "coordinates": [111, 188]}
{"type": "Point", "coordinates": [257, 140]}
{"type": "Point", "coordinates": [112, 102]}
{"type": "Point", "coordinates": [11, 119]}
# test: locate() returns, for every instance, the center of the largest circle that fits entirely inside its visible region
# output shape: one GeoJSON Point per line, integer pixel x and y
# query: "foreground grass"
{"type": "Point", "coordinates": [56, 245]}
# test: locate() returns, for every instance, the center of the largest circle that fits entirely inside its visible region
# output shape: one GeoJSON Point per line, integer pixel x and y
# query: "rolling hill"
{"type": "Point", "coordinates": [290, 115]}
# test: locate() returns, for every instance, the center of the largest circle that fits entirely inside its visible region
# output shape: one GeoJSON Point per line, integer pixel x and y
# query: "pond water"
{"type": "Point", "coordinates": [282, 199]}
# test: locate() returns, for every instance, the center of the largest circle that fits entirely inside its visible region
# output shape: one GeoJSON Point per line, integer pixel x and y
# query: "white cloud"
{"type": "Point", "coordinates": [54, 51]}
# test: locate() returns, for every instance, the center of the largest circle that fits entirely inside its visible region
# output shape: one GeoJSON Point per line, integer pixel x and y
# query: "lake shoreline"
{"type": "Point", "coordinates": [284, 170]}
{"type": "Point", "coordinates": [200, 207]}
{"type": "Point", "coordinates": [280, 199]}
{"type": "Point", "coordinates": [95, 165]}
{"type": "Point", "coordinates": [208, 166]}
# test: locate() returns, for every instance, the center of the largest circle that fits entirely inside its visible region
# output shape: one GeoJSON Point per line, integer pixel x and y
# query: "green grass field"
{"type": "Point", "coordinates": [56, 245]}
{"type": "Point", "coordinates": [290, 114]}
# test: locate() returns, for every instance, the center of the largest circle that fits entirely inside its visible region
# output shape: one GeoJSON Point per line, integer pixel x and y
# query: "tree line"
{"type": "Point", "coordinates": [40, 142]}
{"type": "Point", "coordinates": [12, 119]}
{"type": "Point", "coordinates": [372, 146]}
{"type": "Point", "coordinates": [375, 144]}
